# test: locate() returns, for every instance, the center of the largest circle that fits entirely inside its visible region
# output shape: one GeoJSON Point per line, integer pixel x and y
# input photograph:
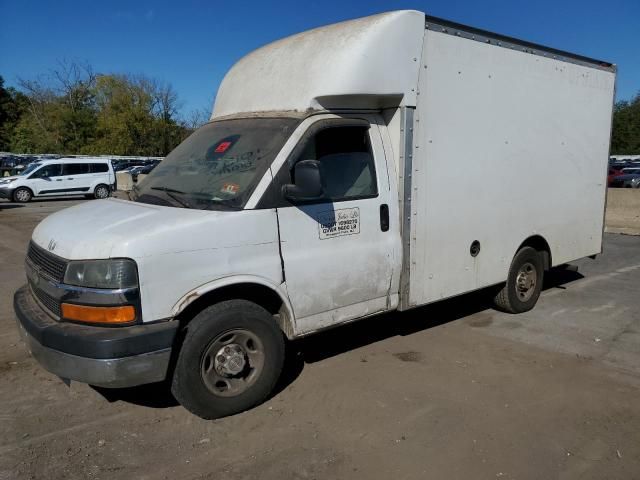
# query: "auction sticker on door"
{"type": "Point", "coordinates": [335, 223]}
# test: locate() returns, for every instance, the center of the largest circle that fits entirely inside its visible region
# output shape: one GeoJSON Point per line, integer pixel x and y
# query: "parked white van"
{"type": "Point", "coordinates": [92, 177]}
{"type": "Point", "coordinates": [374, 165]}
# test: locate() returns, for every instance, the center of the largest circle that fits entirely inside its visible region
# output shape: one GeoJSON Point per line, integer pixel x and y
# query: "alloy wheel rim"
{"type": "Point", "coordinates": [22, 195]}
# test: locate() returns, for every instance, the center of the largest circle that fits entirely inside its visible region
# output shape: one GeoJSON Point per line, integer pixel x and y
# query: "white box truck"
{"type": "Point", "coordinates": [373, 165]}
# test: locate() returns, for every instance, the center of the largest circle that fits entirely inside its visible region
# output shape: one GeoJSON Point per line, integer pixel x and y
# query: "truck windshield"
{"type": "Point", "coordinates": [218, 166]}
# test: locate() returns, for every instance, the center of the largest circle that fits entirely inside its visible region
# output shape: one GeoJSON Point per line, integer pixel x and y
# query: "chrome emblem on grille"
{"type": "Point", "coordinates": [52, 245]}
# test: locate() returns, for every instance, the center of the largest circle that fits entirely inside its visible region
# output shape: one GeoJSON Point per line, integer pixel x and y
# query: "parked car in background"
{"type": "Point", "coordinates": [142, 170]}
{"type": "Point", "coordinates": [20, 167]}
{"type": "Point", "coordinates": [626, 180]}
{"type": "Point", "coordinates": [7, 164]}
{"type": "Point", "coordinates": [127, 165]}
{"type": "Point", "coordinates": [613, 173]}
{"type": "Point", "coordinates": [65, 176]}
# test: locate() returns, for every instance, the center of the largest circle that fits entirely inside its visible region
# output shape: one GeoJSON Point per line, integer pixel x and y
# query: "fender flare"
{"type": "Point", "coordinates": [286, 324]}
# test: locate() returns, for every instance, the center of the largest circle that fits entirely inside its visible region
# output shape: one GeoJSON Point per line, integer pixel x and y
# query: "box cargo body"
{"type": "Point", "coordinates": [373, 165]}
{"type": "Point", "coordinates": [494, 139]}
{"type": "Point", "coordinates": [510, 142]}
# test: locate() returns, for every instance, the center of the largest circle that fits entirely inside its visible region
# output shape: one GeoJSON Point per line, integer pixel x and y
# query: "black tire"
{"type": "Point", "coordinates": [101, 191]}
{"type": "Point", "coordinates": [518, 293]}
{"type": "Point", "coordinates": [22, 195]}
{"type": "Point", "coordinates": [194, 385]}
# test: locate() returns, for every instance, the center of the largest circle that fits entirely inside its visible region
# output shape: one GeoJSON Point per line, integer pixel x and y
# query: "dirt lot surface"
{"type": "Point", "coordinates": [623, 210]}
{"type": "Point", "coordinates": [454, 390]}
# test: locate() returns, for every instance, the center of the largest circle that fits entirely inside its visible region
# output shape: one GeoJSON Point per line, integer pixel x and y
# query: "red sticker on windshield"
{"type": "Point", "coordinates": [222, 147]}
{"type": "Point", "coordinates": [231, 188]}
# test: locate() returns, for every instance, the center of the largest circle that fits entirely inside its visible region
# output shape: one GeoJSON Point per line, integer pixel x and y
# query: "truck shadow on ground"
{"type": "Point", "coordinates": [352, 336]}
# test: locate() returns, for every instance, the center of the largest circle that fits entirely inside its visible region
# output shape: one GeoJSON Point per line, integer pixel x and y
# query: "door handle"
{"type": "Point", "coordinates": [384, 217]}
{"type": "Point", "coordinates": [58, 179]}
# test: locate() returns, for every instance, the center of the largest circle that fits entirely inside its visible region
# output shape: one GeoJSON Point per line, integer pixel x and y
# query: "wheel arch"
{"type": "Point", "coordinates": [23, 187]}
{"type": "Point", "coordinates": [539, 243]}
{"type": "Point", "coordinates": [261, 291]}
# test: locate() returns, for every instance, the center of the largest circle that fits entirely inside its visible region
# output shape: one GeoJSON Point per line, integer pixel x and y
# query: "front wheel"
{"type": "Point", "coordinates": [101, 191]}
{"type": "Point", "coordinates": [22, 195]}
{"type": "Point", "coordinates": [230, 360]}
{"type": "Point", "coordinates": [524, 283]}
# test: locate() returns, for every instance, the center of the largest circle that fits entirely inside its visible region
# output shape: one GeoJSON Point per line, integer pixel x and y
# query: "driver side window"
{"type": "Point", "coordinates": [347, 166]}
{"type": "Point", "coordinates": [346, 162]}
{"type": "Point", "coordinates": [51, 170]}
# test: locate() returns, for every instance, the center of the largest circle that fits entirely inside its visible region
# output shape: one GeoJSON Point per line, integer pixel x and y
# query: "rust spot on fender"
{"type": "Point", "coordinates": [188, 299]}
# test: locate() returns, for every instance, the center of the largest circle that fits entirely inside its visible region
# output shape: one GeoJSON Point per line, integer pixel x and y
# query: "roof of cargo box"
{"type": "Point", "coordinates": [370, 62]}
{"type": "Point", "coordinates": [484, 36]}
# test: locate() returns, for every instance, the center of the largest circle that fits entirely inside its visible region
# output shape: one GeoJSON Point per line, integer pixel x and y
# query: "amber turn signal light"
{"type": "Point", "coordinates": [104, 315]}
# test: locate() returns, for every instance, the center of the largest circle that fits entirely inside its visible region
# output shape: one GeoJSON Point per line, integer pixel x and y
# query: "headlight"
{"type": "Point", "coordinates": [115, 273]}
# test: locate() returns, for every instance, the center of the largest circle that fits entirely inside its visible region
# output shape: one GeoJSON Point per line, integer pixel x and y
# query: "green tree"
{"type": "Point", "coordinates": [625, 135]}
{"type": "Point", "coordinates": [12, 106]}
{"type": "Point", "coordinates": [136, 116]}
{"type": "Point", "coordinates": [71, 110]}
{"type": "Point", "coordinates": [60, 116]}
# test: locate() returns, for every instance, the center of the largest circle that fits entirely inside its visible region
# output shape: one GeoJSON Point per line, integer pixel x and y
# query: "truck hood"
{"type": "Point", "coordinates": [118, 228]}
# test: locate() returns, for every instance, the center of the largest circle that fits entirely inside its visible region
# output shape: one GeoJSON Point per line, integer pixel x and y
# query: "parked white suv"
{"type": "Point", "coordinates": [92, 177]}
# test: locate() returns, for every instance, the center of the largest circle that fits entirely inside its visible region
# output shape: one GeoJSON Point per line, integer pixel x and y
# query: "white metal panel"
{"type": "Point", "coordinates": [507, 145]}
{"type": "Point", "coordinates": [177, 250]}
{"type": "Point", "coordinates": [333, 279]}
{"type": "Point", "coordinates": [363, 63]}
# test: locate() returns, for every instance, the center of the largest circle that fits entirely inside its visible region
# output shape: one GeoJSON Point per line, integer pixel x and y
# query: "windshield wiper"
{"type": "Point", "coordinates": [171, 193]}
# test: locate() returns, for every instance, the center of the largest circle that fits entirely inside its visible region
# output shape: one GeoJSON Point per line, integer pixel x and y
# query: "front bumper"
{"type": "Point", "coordinates": [103, 356]}
{"type": "Point", "coordinates": [7, 193]}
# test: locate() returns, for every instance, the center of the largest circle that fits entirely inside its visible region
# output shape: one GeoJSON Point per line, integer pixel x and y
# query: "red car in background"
{"type": "Point", "coordinates": [613, 173]}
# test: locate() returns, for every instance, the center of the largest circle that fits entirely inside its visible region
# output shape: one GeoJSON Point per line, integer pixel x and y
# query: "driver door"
{"type": "Point", "coordinates": [47, 180]}
{"type": "Point", "coordinates": [339, 253]}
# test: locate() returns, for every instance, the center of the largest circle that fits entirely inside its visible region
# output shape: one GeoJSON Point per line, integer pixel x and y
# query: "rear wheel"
{"type": "Point", "coordinates": [524, 283]}
{"type": "Point", "coordinates": [22, 195]}
{"type": "Point", "coordinates": [101, 191]}
{"type": "Point", "coordinates": [230, 360]}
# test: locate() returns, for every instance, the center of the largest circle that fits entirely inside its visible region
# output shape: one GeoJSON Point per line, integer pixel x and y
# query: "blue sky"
{"type": "Point", "coordinates": [191, 44]}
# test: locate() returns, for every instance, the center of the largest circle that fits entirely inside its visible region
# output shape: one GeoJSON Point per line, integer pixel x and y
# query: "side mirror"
{"type": "Point", "coordinates": [308, 186]}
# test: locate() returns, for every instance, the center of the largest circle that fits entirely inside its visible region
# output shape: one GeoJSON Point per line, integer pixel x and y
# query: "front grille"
{"type": "Point", "coordinates": [46, 262]}
{"type": "Point", "coordinates": [46, 300]}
